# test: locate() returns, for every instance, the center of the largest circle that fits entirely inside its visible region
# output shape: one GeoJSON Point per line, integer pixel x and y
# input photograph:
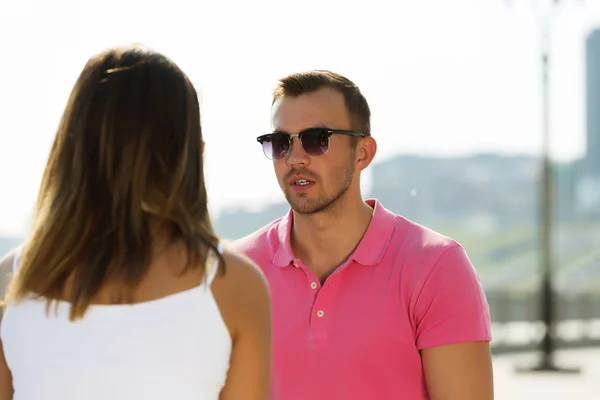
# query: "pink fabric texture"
{"type": "Point", "coordinates": [358, 336]}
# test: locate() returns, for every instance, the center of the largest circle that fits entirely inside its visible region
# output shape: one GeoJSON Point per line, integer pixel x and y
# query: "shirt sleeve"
{"type": "Point", "coordinates": [451, 306]}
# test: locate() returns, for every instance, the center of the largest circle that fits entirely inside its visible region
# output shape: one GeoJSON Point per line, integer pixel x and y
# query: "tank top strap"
{"type": "Point", "coordinates": [212, 264]}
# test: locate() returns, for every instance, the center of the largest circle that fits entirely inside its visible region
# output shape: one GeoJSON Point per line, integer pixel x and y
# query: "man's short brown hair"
{"type": "Point", "coordinates": [310, 81]}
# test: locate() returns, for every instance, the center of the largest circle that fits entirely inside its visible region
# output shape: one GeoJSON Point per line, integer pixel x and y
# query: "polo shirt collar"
{"type": "Point", "coordinates": [369, 251]}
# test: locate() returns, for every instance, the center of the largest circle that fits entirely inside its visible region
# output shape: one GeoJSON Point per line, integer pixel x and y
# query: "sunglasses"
{"type": "Point", "coordinates": [315, 141]}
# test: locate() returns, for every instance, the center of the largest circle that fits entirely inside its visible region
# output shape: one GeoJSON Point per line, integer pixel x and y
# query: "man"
{"type": "Point", "coordinates": [366, 304]}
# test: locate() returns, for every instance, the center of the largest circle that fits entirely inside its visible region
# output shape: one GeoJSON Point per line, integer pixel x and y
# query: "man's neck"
{"type": "Point", "coordinates": [323, 241]}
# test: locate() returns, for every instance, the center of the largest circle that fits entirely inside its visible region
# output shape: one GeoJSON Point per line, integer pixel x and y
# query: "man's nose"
{"type": "Point", "coordinates": [297, 155]}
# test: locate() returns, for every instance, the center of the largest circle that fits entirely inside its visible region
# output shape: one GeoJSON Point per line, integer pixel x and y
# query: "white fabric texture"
{"type": "Point", "coordinates": [176, 347]}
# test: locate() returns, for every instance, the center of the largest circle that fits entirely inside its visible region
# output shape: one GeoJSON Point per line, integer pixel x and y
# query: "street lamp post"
{"type": "Point", "coordinates": [546, 291]}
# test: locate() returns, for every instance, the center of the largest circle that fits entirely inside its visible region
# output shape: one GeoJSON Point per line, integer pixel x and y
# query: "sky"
{"type": "Point", "coordinates": [441, 77]}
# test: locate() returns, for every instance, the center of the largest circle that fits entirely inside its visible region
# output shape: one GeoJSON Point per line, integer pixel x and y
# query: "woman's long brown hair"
{"type": "Point", "coordinates": [128, 151]}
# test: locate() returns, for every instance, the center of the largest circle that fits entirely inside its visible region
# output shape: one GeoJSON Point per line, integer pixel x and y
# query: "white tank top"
{"type": "Point", "coordinates": [176, 347]}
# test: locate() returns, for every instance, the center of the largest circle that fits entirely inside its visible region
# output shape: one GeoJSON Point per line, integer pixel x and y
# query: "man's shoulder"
{"type": "Point", "coordinates": [430, 256]}
{"type": "Point", "coordinates": [421, 251]}
{"type": "Point", "coordinates": [258, 243]}
{"type": "Point", "coordinates": [421, 238]}
{"type": "Point", "coordinates": [409, 236]}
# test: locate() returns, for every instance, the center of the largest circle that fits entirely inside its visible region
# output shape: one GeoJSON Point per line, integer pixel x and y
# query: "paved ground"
{"type": "Point", "coordinates": [511, 385]}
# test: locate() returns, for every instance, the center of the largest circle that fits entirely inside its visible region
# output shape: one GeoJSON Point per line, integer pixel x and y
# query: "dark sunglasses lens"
{"type": "Point", "coordinates": [315, 142]}
{"type": "Point", "coordinates": [276, 146]}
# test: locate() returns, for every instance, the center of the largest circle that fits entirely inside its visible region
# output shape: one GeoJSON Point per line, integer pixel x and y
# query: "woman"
{"type": "Point", "coordinates": [123, 290]}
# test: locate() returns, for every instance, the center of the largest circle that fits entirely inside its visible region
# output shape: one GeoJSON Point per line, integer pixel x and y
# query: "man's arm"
{"type": "Point", "coordinates": [461, 371]}
{"type": "Point", "coordinates": [454, 330]}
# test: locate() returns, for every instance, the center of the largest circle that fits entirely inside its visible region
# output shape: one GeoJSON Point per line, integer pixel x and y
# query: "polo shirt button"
{"type": "Point", "coordinates": [295, 264]}
{"type": "Point", "coordinates": [313, 285]}
{"type": "Point", "coordinates": [320, 313]}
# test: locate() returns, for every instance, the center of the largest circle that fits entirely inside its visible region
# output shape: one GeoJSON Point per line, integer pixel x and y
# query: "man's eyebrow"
{"type": "Point", "coordinates": [306, 129]}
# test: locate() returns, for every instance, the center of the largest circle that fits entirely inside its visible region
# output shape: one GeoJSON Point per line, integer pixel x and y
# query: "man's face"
{"type": "Point", "coordinates": [330, 175]}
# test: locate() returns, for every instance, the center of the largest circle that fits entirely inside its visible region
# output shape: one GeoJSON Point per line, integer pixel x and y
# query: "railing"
{"type": "Point", "coordinates": [517, 326]}
{"type": "Point", "coordinates": [515, 320]}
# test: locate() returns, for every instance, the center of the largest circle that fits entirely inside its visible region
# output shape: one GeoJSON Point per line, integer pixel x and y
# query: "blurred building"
{"type": "Point", "coordinates": [592, 84]}
{"type": "Point", "coordinates": [484, 191]}
{"type": "Point", "coordinates": [588, 188]}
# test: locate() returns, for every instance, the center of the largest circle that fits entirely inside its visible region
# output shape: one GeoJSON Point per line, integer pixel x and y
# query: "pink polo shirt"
{"type": "Point", "coordinates": [358, 336]}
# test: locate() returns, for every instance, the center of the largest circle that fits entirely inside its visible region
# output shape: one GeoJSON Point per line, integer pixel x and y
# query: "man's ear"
{"type": "Point", "coordinates": [365, 152]}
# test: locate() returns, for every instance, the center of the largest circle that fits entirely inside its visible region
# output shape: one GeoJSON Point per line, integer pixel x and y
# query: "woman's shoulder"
{"type": "Point", "coordinates": [241, 291]}
{"type": "Point", "coordinates": [241, 275]}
